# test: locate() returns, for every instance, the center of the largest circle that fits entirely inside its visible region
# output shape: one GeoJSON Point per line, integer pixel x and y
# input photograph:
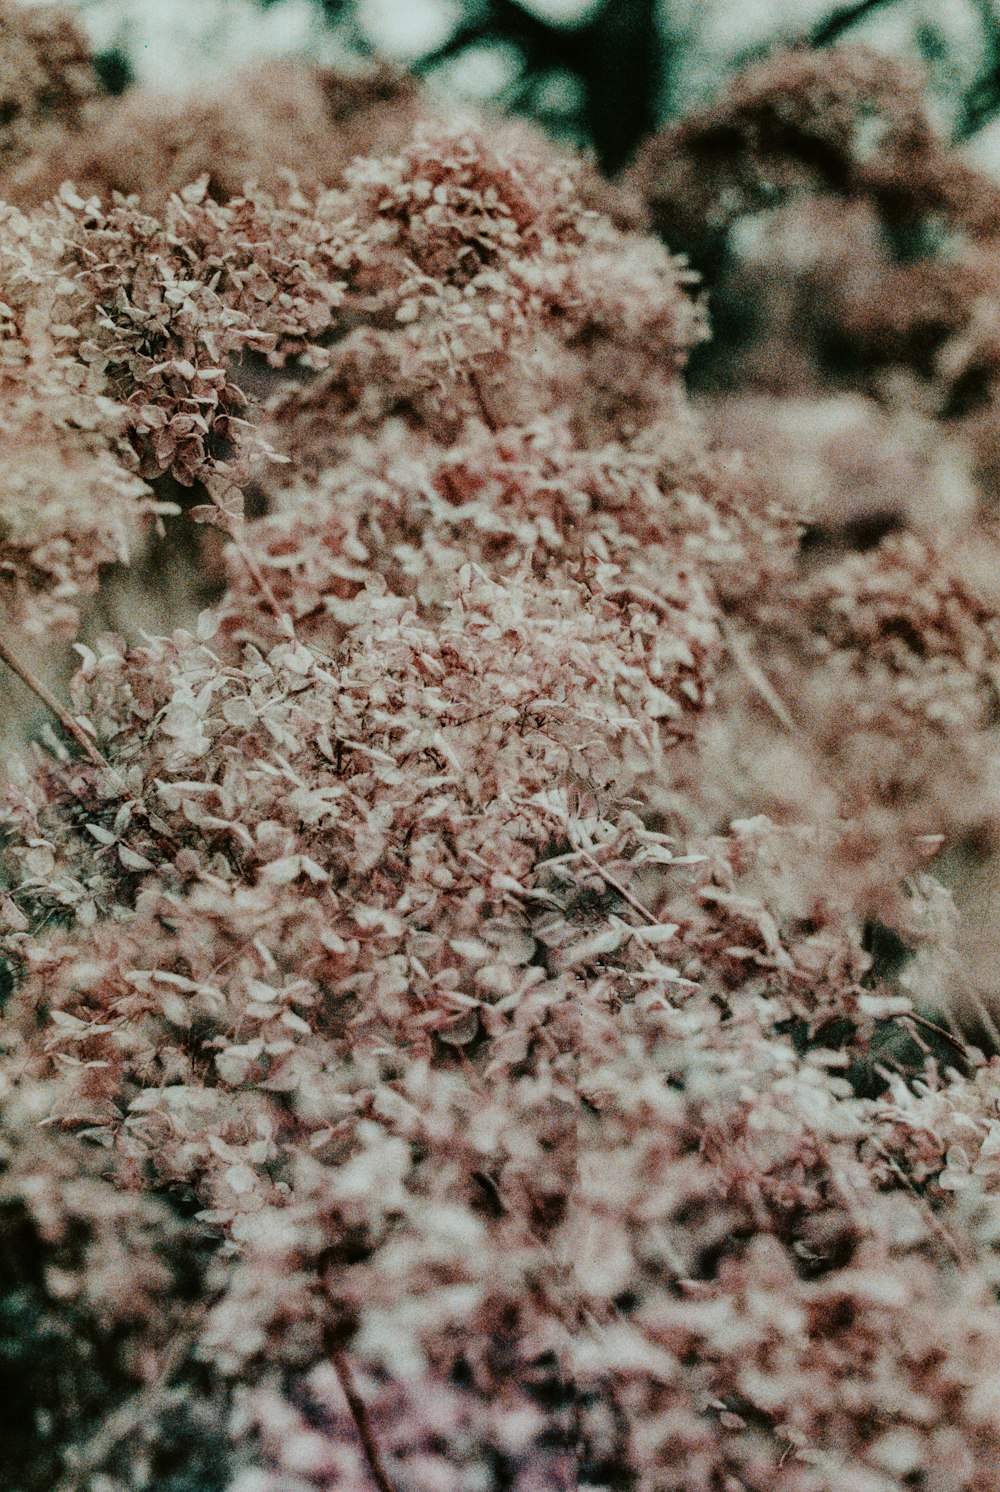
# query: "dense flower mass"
{"type": "Point", "coordinates": [481, 1000]}
{"type": "Point", "coordinates": [260, 126]}
{"type": "Point", "coordinates": [419, 285]}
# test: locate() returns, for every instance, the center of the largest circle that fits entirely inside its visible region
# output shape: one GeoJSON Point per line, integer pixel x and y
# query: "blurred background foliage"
{"type": "Point", "coordinates": [599, 73]}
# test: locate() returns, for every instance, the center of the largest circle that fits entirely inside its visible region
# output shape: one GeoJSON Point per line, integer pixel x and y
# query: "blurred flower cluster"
{"type": "Point", "coordinates": [483, 1001]}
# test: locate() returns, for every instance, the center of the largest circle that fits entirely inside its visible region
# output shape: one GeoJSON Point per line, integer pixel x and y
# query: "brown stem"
{"type": "Point", "coordinates": [263, 585]}
{"type": "Point", "coordinates": [619, 890]}
{"type": "Point", "coordinates": [48, 699]}
{"type": "Point", "coordinates": [260, 580]}
{"type": "Point", "coordinates": [356, 1404]}
{"type": "Point", "coordinates": [609, 880]}
{"type": "Point", "coordinates": [921, 1020]}
{"type": "Point", "coordinates": [756, 676]}
{"type": "Point", "coordinates": [483, 404]}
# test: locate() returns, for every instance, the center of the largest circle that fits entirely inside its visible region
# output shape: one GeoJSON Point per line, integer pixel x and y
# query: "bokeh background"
{"type": "Point", "coordinates": [601, 75]}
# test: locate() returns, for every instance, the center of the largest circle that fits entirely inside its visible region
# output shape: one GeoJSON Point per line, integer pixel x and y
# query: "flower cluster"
{"type": "Point", "coordinates": [259, 126]}
{"type": "Point", "coordinates": [476, 994]}
{"type": "Point", "coordinates": [420, 283]}
{"type": "Point", "coordinates": [851, 255]}
{"type": "Point", "coordinates": [849, 122]}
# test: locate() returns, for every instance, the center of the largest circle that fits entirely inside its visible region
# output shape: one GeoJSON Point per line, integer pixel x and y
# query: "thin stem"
{"type": "Point", "coordinates": [940, 1232]}
{"type": "Point", "coordinates": [755, 676]}
{"type": "Point", "coordinates": [616, 886]}
{"type": "Point", "coordinates": [260, 580]}
{"type": "Point", "coordinates": [271, 601]}
{"type": "Point", "coordinates": [489, 419]}
{"type": "Point", "coordinates": [48, 699]}
{"type": "Point", "coordinates": [356, 1404]}
{"type": "Point", "coordinates": [609, 880]}
{"type": "Point", "coordinates": [945, 1035]}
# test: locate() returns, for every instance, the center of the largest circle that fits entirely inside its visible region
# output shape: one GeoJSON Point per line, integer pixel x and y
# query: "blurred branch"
{"type": "Point", "coordinates": [982, 102]}
{"type": "Point", "coordinates": [543, 45]}
{"type": "Point", "coordinates": [359, 1413]}
{"type": "Point", "coordinates": [843, 19]}
{"type": "Point", "coordinates": [616, 56]}
{"type": "Point", "coordinates": [623, 62]}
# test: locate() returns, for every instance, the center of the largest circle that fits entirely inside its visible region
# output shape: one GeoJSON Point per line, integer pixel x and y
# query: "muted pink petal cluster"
{"type": "Point", "coordinates": [475, 1014]}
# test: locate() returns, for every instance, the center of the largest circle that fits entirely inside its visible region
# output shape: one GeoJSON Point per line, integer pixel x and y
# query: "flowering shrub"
{"type": "Point", "coordinates": [851, 253]}
{"type": "Point", "coordinates": [431, 275]}
{"type": "Point", "coordinates": [257, 126]}
{"type": "Point", "coordinates": [477, 1008]}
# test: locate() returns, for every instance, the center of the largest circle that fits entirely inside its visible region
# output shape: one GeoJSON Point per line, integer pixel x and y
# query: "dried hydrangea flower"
{"type": "Point", "coordinates": [396, 925]}
{"type": "Point", "coordinates": [848, 121]}
{"type": "Point", "coordinates": [433, 273]}
{"type": "Point", "coordinates": [260, 126]}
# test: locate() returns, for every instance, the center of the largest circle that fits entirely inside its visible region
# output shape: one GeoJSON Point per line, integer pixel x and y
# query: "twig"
{"type": "Point", "coordinates": [940, 1232]}
{"type": "Point", "coordinates": [261, 581]}
{"type": "Point", "coordinates": [620, 890]}
{"type": "Point", "coordinates": [595, 865]}
{"type": "Point", "coordinates": [356, 1404]}
{"type": "Point", "coordinates": [489, 418]}
{"type": "Point", "coordinates": [48, 699]}
{"type": "Point", "coordinates": [753, 673]}
{"type": "Point", "coordinates": [69, 725]}
{"type": "Point", "coordinates": [928, 1025]}
{"type": "Point", "coordinates": [271, 601]}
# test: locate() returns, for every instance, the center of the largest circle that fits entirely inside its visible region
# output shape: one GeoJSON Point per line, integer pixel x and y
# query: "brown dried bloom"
{"type": "Point", "coordinates": [255, 127]}
{"type": "Point", "coordinates": [552, 1114]}
{"type": "Point", "coordinates": [434, 273]}
{"type": "Point", "coordinates": [470, 261]}
{"type": "Point", "coordinates": [108, 385]}
{"type": "Point", "coordinates": [847, 121]}
{"type": "Point", "coordinates": [375, 959]}
{"type": "Point", "coordinates": [72, 500]}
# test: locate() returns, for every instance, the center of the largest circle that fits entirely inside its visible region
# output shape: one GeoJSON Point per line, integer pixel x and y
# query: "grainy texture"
{"type": "Point", "coordinates": [477, 1023]}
